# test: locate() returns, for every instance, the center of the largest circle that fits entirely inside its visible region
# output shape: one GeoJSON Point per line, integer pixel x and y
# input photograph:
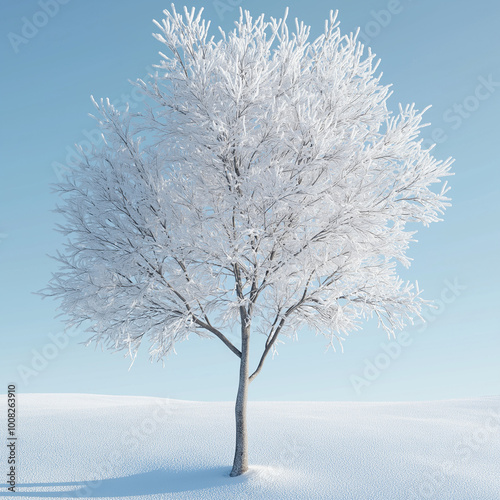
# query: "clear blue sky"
{"type": "Point", "coordinates": [442, 53]}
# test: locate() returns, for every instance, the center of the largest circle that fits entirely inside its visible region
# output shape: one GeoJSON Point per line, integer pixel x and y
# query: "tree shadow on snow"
{"type": "Point", "coordinates": [145, 483]}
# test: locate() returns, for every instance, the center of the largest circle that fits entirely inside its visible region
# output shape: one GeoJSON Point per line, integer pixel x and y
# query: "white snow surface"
{"type": "Point", "coordinates": [80, 445]}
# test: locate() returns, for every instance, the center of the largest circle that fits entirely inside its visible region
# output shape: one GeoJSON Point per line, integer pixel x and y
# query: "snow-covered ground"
{"type": "Point", "coordinates": [75, 445]}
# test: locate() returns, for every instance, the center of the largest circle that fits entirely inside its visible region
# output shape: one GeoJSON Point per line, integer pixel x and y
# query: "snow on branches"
{"type": "Point", "coordinates": [265, 182]}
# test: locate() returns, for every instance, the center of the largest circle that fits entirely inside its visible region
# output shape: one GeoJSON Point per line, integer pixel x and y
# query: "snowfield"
{"type": "Point", "coordinates": [79, 445]}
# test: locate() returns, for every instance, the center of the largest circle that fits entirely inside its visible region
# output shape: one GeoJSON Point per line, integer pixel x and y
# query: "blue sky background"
{"type": "Point", "coordinates": [438, 53]}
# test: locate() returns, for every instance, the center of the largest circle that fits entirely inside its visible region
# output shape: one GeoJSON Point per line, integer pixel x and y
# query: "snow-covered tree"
{"type": "Point", "coordinates": [265, 187]}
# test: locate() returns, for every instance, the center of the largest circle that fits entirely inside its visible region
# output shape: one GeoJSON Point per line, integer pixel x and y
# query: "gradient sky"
{"type": "Point", "coordinates": [442, 53]}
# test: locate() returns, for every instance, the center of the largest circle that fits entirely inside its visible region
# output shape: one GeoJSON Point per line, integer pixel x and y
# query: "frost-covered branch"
{"type": "Point", "coordinates": [266, 182]}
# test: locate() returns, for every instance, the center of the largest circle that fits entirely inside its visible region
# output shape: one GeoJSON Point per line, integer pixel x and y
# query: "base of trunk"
{"type": "Point", "coordinates": [238, 472]}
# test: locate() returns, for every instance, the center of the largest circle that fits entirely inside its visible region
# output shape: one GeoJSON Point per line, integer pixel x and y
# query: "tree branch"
{"type": "Point", "coordinates": [218, 334]}
{"type": "Point", "coordinates": [204, 325]}
{"type": "Point", "coordinates": [274, 336]}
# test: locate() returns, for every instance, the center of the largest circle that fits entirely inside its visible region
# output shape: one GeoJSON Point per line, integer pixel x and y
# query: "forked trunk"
{"type": "Point", "coordinates": [240, 463]}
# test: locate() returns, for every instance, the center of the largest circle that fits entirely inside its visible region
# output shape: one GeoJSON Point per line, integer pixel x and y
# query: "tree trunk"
{"type": "Point", "coordinates": [240, 463]}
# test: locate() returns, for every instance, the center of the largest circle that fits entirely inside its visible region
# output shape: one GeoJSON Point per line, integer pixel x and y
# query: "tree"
{"type": "Point", "coordinates": [265, 187]}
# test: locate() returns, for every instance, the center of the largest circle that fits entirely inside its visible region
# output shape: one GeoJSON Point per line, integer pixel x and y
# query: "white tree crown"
{"type": "Point", "coordinates": [265, 181]}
